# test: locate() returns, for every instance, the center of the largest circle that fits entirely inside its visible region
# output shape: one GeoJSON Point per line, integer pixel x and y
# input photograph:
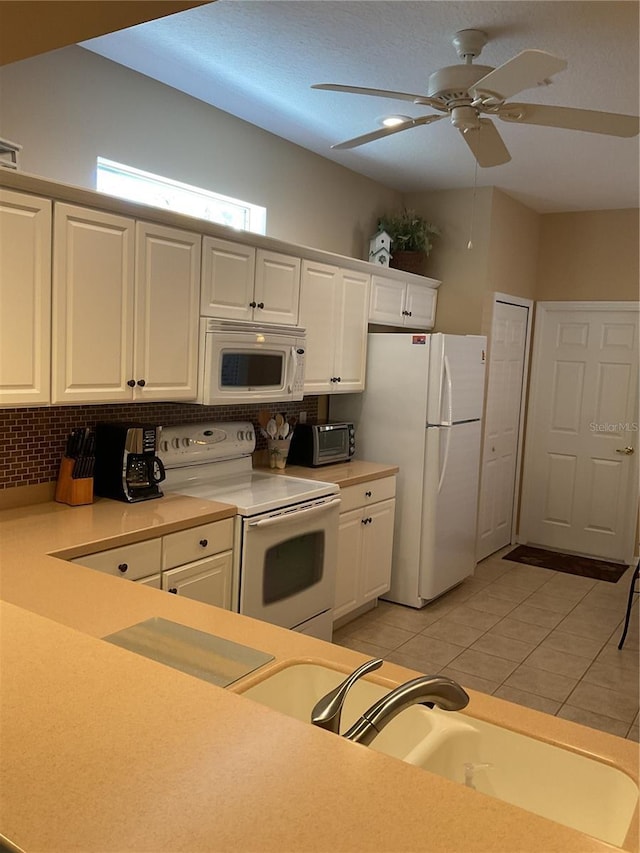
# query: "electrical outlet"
{"type": "Point", "coordinates": [302, 417]}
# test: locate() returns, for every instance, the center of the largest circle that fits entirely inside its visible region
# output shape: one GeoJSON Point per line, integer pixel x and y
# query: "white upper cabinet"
{"type": "Point", "coordinates": [403, 303]}
{"type": "Point", "coordinates": [333, 310]}
{"type": "Point", "coordinates": [25, 299]}
{"type": "Point", "coordinates": [125, 309]}
{"type": "Point", "coordinates": [243, 283]}
{"type": "Point", "coordinates": [167, 313]}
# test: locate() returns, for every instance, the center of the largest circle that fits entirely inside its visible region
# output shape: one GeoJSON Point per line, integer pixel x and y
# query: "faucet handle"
{"type": "Point", "coordinates": [327, 711]}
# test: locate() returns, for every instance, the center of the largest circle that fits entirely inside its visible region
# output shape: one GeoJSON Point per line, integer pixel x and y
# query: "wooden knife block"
{"type": "Point", "coordinates": [70, 491]}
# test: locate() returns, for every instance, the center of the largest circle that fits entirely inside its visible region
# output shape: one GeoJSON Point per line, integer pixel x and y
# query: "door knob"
{"type": "Point", "coordinates": [626, 450]}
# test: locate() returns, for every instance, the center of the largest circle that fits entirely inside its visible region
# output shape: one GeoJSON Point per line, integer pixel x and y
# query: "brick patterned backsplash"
{"type": "Point", "coordinates": [32, 440]}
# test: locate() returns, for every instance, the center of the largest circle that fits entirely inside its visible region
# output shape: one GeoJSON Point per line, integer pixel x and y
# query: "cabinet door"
{"type": "Point", "coordinates": [386, 303]}
{"type": "Point", "coordinates": [347, 593]}
{"type": "Point", "coordinates": [207, 580]}
{"type": "Point", "coordinates": [420, 306]}
{"type": "Point", "coordinates": [351, 328]}
{"type": "Point", "coordinates": [93, 280]}
{"type": "Point", "coordinates": [166, 313]}
{"type": "Point", "coordinates": [228, 273]}
{"type": "Point", "coordinates": [318, 294]}
{"type": "Point", "coordinates": [377, 549]}
{"type": "Point", "coordinates": [25, 299]}
{"type": "Point", "coordinates": [277, 288]}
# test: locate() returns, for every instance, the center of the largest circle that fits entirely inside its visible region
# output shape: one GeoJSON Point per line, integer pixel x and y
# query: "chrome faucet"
{"type": "Point", "coordinates": [427, 690]}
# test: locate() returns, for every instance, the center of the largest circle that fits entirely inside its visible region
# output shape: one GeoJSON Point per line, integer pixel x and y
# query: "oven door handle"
{"type": "Point", "coordinates": [307, 513]}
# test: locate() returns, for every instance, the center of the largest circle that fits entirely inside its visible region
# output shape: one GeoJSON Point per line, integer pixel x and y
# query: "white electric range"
{"type": "Point", "coordinates": [286, 528]}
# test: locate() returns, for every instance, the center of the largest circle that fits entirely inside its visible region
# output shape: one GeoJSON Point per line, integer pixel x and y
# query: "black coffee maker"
{"type": "Point", "coordinates": [127, 465]}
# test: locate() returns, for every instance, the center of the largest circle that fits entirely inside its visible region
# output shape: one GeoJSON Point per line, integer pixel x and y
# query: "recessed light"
{"type": "Point", "coordinates": [392, 121]}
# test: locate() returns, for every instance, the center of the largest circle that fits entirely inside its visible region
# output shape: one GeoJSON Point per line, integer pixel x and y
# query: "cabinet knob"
{"type": "Point", "coordinates": [339, 379]}
{"type": "Point", "coordinates": [174, 590]}
{"type": "Point", "coordinates": [123, 567]}
{"type": "Point", "coordinates": [252, 304]}
{"type": "Point", "coordinates": [141, 383]}
{"type": "Point", "coordinates": [204, 542]}
{"type": "Point", "coordinates": [260, 304]}
{"type": "Point", "coordinates": [131, 383]}
{"type": "Point", "coordinates": [369, 520]}
{"type": "Point", "coordinates": [367, 494]}
{"type": "Point", "coordinates": [408, 313]}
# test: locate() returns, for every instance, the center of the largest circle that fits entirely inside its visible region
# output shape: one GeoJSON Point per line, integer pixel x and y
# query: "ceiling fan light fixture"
{"type": "Point", "coordinates": [465, 118]}
{"type": "Point", "coordinates": [394, 121]}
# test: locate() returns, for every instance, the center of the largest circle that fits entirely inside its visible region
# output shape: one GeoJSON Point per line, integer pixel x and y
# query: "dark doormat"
{"type": "Point", "coordinates": [585, 567]}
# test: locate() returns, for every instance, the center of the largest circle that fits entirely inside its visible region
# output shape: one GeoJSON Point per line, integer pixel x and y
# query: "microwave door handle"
{"type": "Point", "coordinates": [289, 516]}
{"type": "Point", "coordinates": [293, 370]}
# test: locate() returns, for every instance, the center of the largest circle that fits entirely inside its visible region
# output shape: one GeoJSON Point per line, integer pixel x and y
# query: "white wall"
{"type": "Point", "coordinates": [69, 106]}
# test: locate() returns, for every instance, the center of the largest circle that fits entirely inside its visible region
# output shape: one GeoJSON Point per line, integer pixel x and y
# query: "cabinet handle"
{"type": "Point", "coordinates": [260, 304]}
{"type": "Point", "coordinates": [204, 542]}
{"type": "Point", "coordinates": [174, 590]}
{"type": "Point", "coordinates": [252, 304]}
{"type": "Point", "coordinates": [123, 567]}
{"type": "Point", "coordinates": [131, 383]}
{"type": "Point", "coordinates": [141, 383]}
{"type": "Point", "coordinates": [367, 494]}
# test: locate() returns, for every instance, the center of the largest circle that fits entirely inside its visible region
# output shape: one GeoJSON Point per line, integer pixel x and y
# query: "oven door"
{"type": "Point", "coordinates": [287, 573]}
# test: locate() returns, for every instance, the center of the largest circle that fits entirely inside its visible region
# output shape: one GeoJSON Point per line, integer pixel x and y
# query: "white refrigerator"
{"type": "Point", "coordinates": [422, 410]}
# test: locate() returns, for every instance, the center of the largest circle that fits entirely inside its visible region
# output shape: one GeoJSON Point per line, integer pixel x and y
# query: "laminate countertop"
{"type": "Point", "coordinates": [105, 750]}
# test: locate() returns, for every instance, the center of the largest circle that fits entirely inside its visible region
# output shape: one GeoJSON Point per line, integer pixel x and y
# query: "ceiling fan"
{"type": "Point", "coordinates": [467, 93]}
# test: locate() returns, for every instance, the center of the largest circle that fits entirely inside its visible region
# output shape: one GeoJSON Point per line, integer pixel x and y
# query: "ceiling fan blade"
{"type": "Point", "coordinates": [385, 131]}
{"type": "Point", "coordinates": [381, 93]}
{"type": "Point", "coordinates": [486, 144]}
{"type": "Point", "coordinates": [592, 121]}
{"type": "Point", "coordinates": [526, 70]}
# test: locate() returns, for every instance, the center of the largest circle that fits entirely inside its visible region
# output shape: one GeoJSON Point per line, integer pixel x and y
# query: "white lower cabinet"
{"type": "Point", "coordinates": [207, 580]}
{"type": "Point", "coordinates": [365, 544]}
{"type": "Point", "coordinates": [196, 563]}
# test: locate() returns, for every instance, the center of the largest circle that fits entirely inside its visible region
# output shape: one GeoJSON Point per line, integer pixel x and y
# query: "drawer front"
{"type": "Point", "coordinates": [367, 493]}
{"type": "Point", "coordinates": [196, 543]}
{"type": "Point", "coordinates": [130, 561]}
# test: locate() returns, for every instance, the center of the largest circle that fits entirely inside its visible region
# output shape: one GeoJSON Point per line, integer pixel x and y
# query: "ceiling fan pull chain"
{"type": "Point", "coordinates": [473, 205]}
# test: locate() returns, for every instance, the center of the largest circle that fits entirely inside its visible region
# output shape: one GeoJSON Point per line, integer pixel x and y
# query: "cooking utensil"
{"type": "Point", "coordinates": [279, 423]}
{"type": "Point", "coordinates": [272, 428]}
{"type": "Point", "coordinates": [284, 430]}
{"type": "Point", "coordinates": [263, 418]}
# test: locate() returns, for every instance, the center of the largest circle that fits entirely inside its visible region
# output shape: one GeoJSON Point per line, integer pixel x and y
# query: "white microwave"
{"type": "Point", "coordinates": [248, 363]}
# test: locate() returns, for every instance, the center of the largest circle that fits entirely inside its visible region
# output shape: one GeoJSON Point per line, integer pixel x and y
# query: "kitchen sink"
{"type": "Point", "coordinates": [571, 789]}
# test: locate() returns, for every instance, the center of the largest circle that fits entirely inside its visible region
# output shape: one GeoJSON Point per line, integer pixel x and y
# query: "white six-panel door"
{"type": "Point", "coordinates": [581, 468]}
{"type": "Point", "coordinates": [508, 346]}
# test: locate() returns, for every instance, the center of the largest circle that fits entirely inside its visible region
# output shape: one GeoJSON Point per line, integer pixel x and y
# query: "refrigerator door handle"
{"type": "Point", "coordinates": [448, 420]}
{"type": "Point", "coordinates": [445, 460]}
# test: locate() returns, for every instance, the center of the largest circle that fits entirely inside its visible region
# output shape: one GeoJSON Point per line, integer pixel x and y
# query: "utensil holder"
{"type": "Point", "coordinates": [278, 452]}
{"type": "Point", "coordinates": [69, 491]}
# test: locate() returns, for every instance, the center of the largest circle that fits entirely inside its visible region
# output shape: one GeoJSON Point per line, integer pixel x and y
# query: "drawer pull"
{"type": "Point", "coordinates": [367, 494]}
{"type": "Point", "coordinates": [174, 590]}
{"type": "Point", "coordinates": [123, 567]}
{"type": "Point", "coordinates": [204, 542]}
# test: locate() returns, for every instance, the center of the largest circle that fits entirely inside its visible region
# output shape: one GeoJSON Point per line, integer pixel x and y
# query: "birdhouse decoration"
{"type": "Point", "coordinates": [379, 249]}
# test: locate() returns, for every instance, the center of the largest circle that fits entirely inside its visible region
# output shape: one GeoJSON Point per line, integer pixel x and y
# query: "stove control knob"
{"type": "Point", "coordinates": [186, 442]}
{"type": "Point", "coordinates": [164, 446]}
{"type": "Point", "coordinates": [175, 442]}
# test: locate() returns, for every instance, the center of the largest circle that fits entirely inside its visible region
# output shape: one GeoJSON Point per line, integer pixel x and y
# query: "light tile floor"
{"type": "Point", "coordinates": [529, 635]}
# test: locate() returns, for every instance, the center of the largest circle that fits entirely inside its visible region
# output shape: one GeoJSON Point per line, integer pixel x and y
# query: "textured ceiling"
{"type": "Point", "coordinates": [257, 61]}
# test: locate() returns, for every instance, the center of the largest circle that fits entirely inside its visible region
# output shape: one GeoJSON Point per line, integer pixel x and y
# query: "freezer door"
{"type": "Point", "coordinates": [456, 378]}
{"type": "Point", "coordinates": [450, 501]}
